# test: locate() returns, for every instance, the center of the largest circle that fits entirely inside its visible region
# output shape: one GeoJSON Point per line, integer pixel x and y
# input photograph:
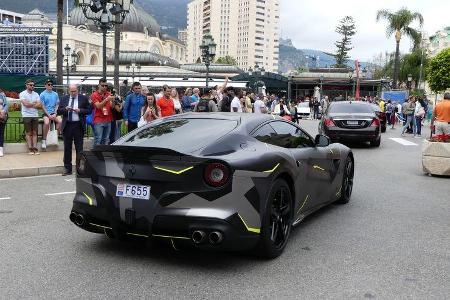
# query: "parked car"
{"type": "Point", "coordinates": [239, 185]}
{"type": "Point", "coordinates": [381, 115]}
{"type": "Point", "coordinates": [351, 121]}
{"type": "Point", "coordinates": [303, 110]}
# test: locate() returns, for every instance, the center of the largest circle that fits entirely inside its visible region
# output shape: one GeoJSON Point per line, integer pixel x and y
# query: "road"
{"type": "Point", "coordinates": [391, 241]}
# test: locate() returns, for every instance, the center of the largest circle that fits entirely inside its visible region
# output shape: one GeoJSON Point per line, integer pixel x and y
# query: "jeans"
{"type": "Point", "coordinates": [118, 129]}
{"type": "Point", "coordinates": [410, 120]}
{"type": "Point", "coordinates": [419, 125]}
{"type": "Point", "coordinates": [101, 133]}
{"type": "Point", "coordinates": [2, 133]}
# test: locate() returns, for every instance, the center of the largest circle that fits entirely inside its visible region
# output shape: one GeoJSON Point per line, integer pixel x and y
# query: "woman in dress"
{"type": "Point", "coordinates": [151, 111]}
{"type": "Point", "coordinates": [176, 101]}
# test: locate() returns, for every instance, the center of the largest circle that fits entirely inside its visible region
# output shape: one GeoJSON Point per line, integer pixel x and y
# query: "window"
{"type": "Point", "coordinates": [177, 134]}
{"type": "Point", "coordinates": [264, 134]}
{"type": "Point", "coordinates": [290, 136]}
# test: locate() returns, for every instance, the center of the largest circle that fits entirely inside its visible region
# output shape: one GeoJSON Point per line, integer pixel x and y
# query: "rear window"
{"type": "Point", "coordinates": [183, 135]}
{"type": "Point", "coordinates": [350, 108]}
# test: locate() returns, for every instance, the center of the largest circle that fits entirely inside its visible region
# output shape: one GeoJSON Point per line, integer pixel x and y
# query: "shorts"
{"type": "Point", "coordinates": [31, 124]}
{"type": "Point", "coordinates": [442, 128]}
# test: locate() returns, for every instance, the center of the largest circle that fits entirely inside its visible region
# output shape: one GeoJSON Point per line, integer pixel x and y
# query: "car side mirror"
{"type": "Point", "coordinates": [322, 140]}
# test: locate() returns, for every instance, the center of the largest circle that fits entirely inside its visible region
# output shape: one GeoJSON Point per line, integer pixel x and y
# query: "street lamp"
{"type": "Point", "coordinates": [105, 14]}
{"type": "Point", "coordinates": [321, 82]}
{"type": "Point", "coordinates": [69, 57]}
{"type": "Point", "coordinates": [208, 48]}
{"type": "Point", "coordinates": [409, 82]}
{"type": "Point", "coordinates": [133, 66]}
{"type": "Point", "coordinates": [256, 72]}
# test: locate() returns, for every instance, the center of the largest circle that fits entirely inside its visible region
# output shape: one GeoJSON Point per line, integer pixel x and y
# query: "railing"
{"type": "Point", "coordinates": [15, 130]}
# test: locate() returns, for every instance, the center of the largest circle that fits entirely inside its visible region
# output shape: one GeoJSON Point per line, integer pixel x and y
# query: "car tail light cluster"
{"type": "Point", "coordinates": [375, 122]}
{"type": "Point", "coordinates": [329, 122]}
{"type": "Point", "coordinates": [216, 174]}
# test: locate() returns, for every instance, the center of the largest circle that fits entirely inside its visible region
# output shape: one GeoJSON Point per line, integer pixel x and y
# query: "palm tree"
{"type": "Point", "coordinates": [59, 41]}
{"type": "Point", "coordinates": [399, 23]}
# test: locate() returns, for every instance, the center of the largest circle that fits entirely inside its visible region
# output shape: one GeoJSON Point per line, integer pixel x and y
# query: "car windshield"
{"type": "Point", "coordinates": [350, 108]}
{"type": "Point", "coordinates": [183, 135]}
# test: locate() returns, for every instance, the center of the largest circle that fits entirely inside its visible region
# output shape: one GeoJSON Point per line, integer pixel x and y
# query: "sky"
{"type": "Point", "coordinates": [311, 24]}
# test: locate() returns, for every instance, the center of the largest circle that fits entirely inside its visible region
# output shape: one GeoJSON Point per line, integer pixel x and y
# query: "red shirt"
{"type": "Point", "coordinates": [104, 114]}
{"type": "Point", "coordinates": [167, 106]}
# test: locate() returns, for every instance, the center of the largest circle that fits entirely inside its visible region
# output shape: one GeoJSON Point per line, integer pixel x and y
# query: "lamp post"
{"type": "Point", "coordinates": [409, 82]}
{"type": "Point", "coordinates": [69, 57]}
{"type": "Point", "coordinates": [133, 66]}
{"type": "Point", "coordinates": [256, 73]}
{"type": "Point", "coordinates": [321, 83]}
{"type": "Point", "coordinates": [104, 14]}
{"type": "Point", "coordinates": [208, 48]}
{"type": "Point", "coordinates": [352, 82]}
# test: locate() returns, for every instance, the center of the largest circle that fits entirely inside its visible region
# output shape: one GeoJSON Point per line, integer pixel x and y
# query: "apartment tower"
{"type": "Point", "coordinates": [247, 30]}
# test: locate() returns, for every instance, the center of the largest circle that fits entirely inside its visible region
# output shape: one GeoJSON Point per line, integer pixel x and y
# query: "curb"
{"type": "Point", "coordinates": [17, 148]}
{"type": "Point", "coordinates": [28, 172]}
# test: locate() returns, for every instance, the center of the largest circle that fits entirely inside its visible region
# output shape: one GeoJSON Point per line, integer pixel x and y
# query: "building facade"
{"type": "Point", "coordinates": [247, 30]}
{"type": "Point", "coordinates": [439, 41]}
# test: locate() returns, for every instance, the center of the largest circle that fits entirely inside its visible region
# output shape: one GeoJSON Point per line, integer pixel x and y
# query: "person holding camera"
{"type": "Point", "coordinates": [116, 124]}
{"type": "Point", "coordinates": [102, 101]}
{"type": "Point", "coordinates": [132, 107]}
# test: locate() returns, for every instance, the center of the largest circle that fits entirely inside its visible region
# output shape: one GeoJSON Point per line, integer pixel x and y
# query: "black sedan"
{"type": "Point", "coordinates": [213, 181]}
{"type": "Point", "coordinates": [351, 121]}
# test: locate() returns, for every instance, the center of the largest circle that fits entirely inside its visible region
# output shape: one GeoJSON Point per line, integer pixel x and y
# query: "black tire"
{"type": "Point", "coordinates": [376, 143]}
{"type": "Point", "coordinates": [347, 181]}
{"type": "Point", "coordinates": [277, 221]}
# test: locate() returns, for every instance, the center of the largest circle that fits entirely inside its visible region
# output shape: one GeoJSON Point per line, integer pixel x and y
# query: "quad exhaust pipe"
{"type": "Point", "coordinates": [214, 237]}
{"type": "Point", "coordinates": [198, 236]}
{"type": "Point", "coordinates": [77, 218]}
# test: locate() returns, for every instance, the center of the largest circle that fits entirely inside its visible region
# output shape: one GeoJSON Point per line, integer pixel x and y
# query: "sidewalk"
{"type": "Point", "coordinates": [23, 164]}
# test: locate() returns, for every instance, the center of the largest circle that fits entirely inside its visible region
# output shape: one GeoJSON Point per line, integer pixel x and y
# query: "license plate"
{"type": "Point", "coordinates": [133, 191]}
{"type": "Point", "coordinates": [352, 123]}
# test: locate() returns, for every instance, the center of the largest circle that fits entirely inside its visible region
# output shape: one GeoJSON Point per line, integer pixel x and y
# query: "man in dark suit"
{"type": "Point", "coordinates": [73, 108]}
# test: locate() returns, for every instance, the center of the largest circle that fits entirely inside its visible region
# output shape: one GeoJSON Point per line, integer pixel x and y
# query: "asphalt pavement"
{"type": "Point", "coordinates": [391, 241]}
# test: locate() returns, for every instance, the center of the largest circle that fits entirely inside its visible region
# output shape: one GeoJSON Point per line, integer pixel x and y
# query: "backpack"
{"type": "Point", "coordinates": [203, 105]}
{"type": "Point", "coordinates": [225, 104]}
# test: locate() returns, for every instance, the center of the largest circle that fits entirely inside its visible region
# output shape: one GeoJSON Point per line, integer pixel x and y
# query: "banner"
{"type": "Point", "coordinates": [25, 30]}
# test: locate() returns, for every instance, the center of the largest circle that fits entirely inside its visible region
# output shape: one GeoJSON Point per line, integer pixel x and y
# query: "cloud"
{"type": "Point", "coordinates": [311, 24]}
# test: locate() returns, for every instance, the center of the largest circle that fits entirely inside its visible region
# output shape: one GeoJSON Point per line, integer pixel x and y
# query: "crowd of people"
{"type": "Point", "coordinates": [110, 114]}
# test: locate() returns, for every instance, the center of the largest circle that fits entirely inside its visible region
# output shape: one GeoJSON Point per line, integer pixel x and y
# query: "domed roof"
{"type": "Point", "coordinates": [137, 20]}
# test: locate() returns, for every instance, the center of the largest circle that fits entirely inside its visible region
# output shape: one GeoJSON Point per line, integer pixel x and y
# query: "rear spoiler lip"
{"type": "Point", "coordinates": [126, 149]}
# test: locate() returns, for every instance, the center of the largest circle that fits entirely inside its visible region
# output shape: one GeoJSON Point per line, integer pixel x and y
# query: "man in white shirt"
{"type": "Point", "coordinates": [259, 106]}
{"type": "Point", "coordinates": [235, 103]}
{"type": "Point", "coordinates": [30, 103]}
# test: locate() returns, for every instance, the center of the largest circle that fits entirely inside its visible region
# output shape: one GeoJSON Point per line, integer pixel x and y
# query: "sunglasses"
{"type": "Point", "coordinates": [104, 85]}
{"type": "Point", "coordinates": [30, 84]}
{"type": "Point", "coordinates": [49, 84]}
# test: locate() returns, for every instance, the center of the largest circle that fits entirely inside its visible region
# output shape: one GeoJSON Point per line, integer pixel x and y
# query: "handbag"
{"type": "Point", "coordinates": [420, 112]}
{"type": "Point", "coordinates": [141, 122]}
{"type": "Point", "coordinates": [52, 135]}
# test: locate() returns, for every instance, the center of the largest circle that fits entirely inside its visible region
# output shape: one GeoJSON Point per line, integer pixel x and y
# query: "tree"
{"type": "Point", "coordinates": [438, 71]}
{"type": "Point", "coordinates": [346, 29]}
{"type": "Point", "coordinates": [59, 41]}
{"type": "Point", "coordinates": [399, 22]}
{"type": "Point", "coordinates": [227, 60]}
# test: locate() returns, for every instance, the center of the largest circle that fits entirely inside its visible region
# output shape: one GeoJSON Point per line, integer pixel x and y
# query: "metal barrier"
{"type": "Point", "coordinates": [15, 130]}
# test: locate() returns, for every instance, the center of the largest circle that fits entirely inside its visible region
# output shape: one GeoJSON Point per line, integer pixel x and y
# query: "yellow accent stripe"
{"type": "Point", "coordinates": [90, 200]}
{"type": "Point", "coordinates": [304, 202]}
{"type": "Point", "coordinates": [171, 237]}
{"type": "Point", "coordinates": [255, 230]}
{"type": "Point", "coordinates": [101, 226]}
{"type": "Point", "coordinates": [136, 234]}
{"type": "Point", "coordinates": [173, 171]}
{"type": "Point", "coordinates": [318, 168]}
{"type": "Point", "coordinates": [270, 171]}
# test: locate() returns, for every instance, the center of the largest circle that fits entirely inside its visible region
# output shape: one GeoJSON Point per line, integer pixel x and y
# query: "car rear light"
{"type": "Point", "coordinates": [329, 122]}
{"type": "Point", "coordinates": [375, 122]}
{"type": "Point", "coordinates": [216, 174]}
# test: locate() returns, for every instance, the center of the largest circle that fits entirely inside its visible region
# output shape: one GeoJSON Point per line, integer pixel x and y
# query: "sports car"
{"type": "Point", "coordinates": [225, 181]}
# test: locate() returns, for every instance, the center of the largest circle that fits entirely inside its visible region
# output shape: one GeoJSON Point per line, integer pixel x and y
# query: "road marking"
{"type": "Point", "coordinates": [70, 180]}
{"type": "Point", "coordinates": [62, 193]}
{"type": "Point", "coordinates": [5, 198]}
{"type": "Point", "coordinates": [403, 142]}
